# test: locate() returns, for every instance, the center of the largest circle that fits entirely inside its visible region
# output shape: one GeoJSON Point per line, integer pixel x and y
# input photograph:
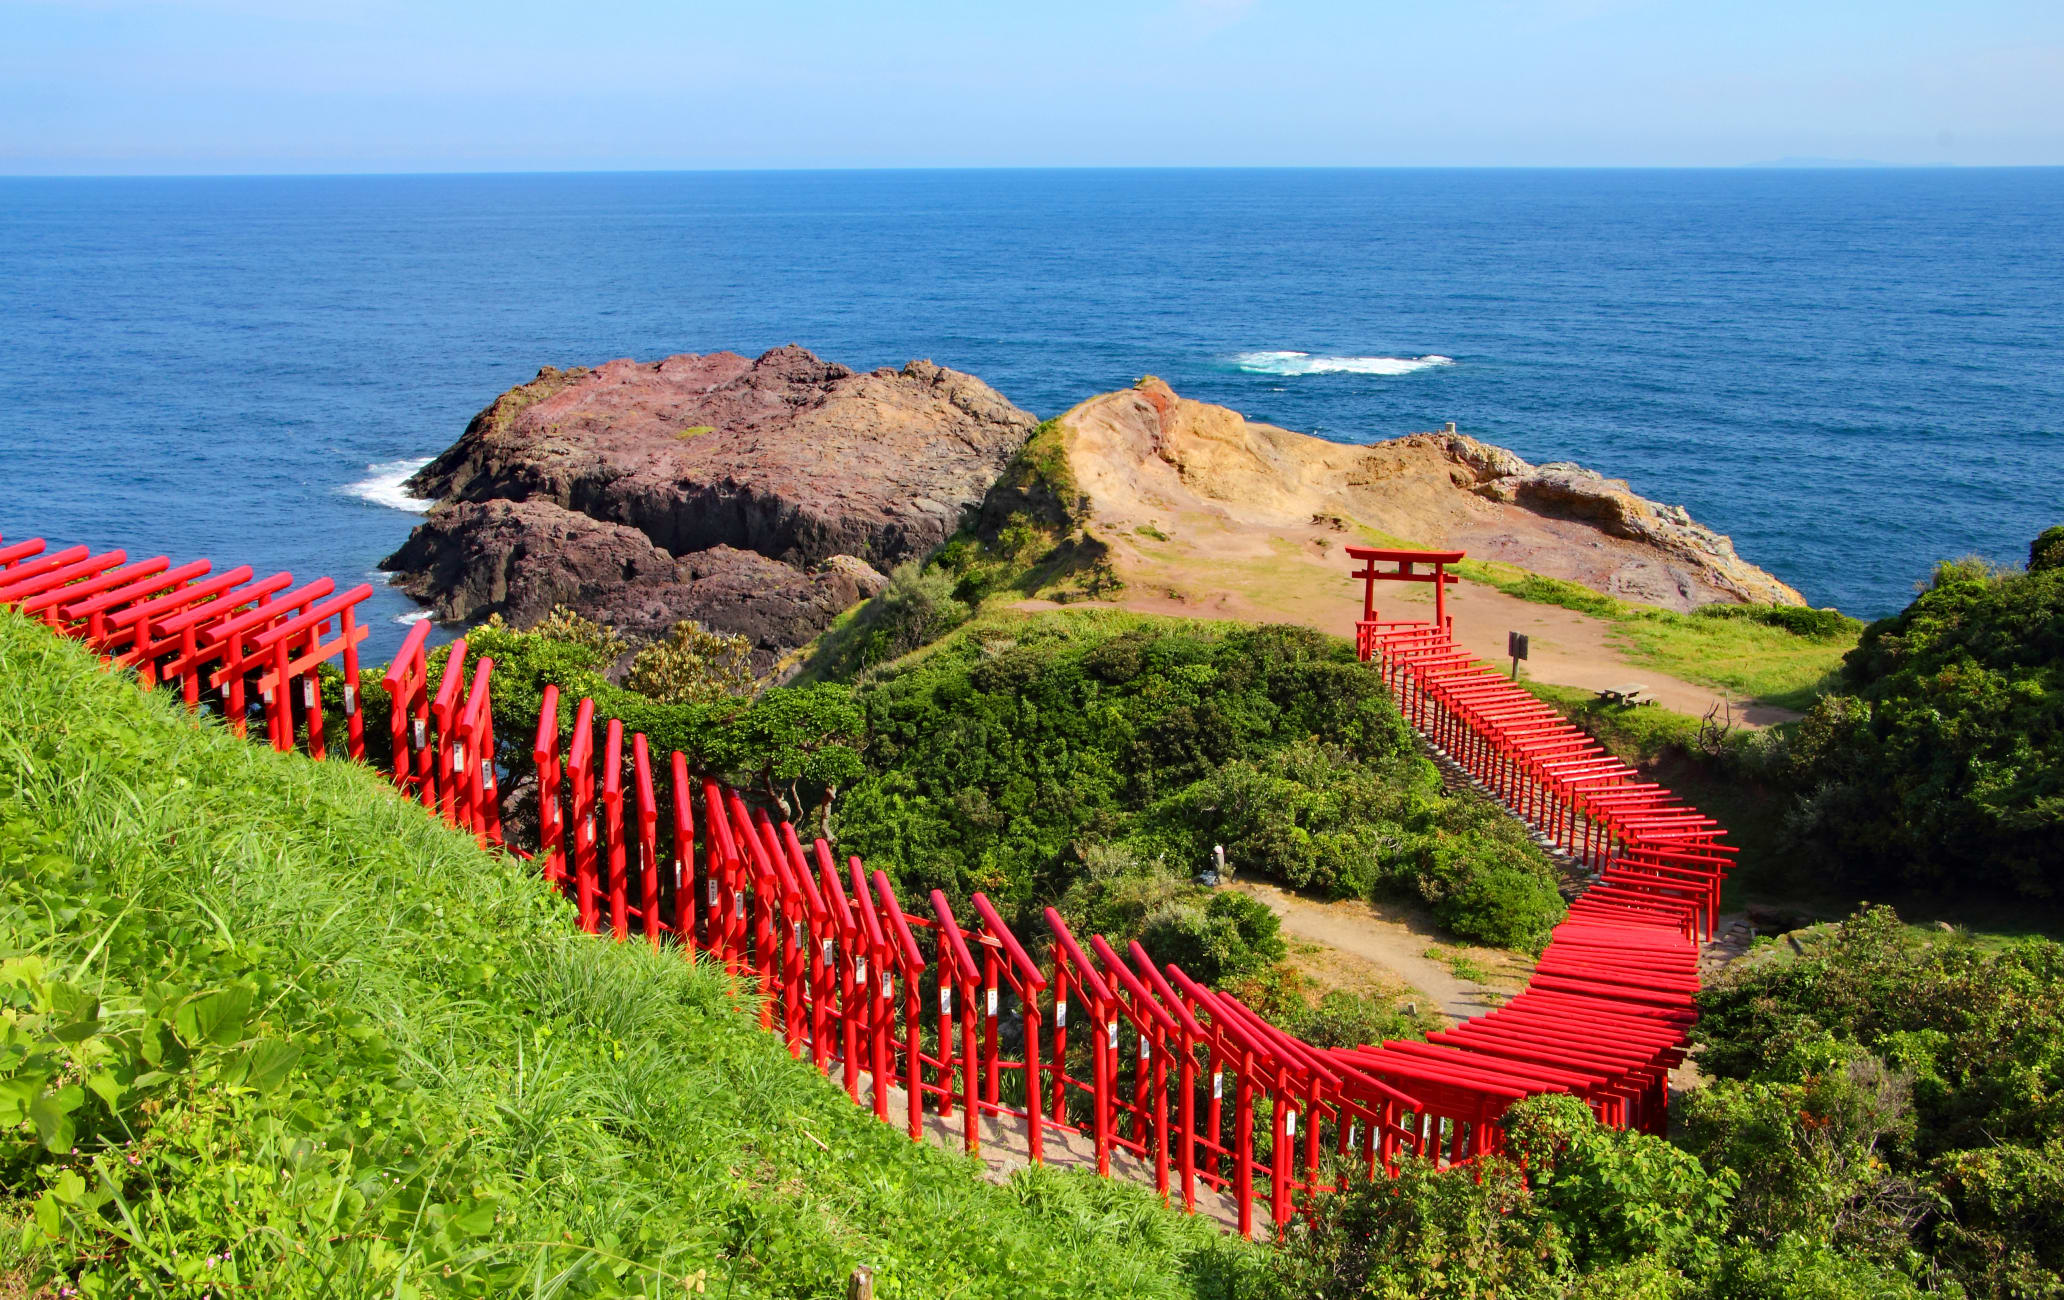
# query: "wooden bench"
{"type": "Point", "coordinates": [1625, 695]}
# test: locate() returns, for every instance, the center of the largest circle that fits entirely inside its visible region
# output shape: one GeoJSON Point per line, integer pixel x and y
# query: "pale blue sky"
{"type": "Point", "coordinates": [95, 86]}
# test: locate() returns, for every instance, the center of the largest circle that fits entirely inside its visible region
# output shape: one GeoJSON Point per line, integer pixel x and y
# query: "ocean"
{"type": "Point", "coordinates": [1852, 372]}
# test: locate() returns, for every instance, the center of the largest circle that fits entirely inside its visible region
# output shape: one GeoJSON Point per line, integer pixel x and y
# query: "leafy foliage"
{"type": "Point", "coordinates": [1430, 1233]}
{"type": "Point", "coordinates": [1230, 935]}
{"type": "Point", "coordinates": [1614, 1194]}
{"type": "Point", "coordinates": [1598, 1213]}
{"type": "Point", "coordinates": [693, 665]}
{"type": "Point", "coordinates": [998, 759]}
{"type": "Point", "coordinates": [1944, 759]}
{"type": "Point", "coordinates": [1030, 537]}
{"type": "Point", "coordinates": [1898, 1097]}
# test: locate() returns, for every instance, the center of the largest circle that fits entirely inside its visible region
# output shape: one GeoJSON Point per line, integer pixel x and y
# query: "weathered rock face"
{"type": "Point", "coordinates": [792, 457]}
{"type": "Point", "coordinates": [1146, 454]}
{"type": "Point", "coordinates": [522, 558]}
{"type": "Point", "coordinates": [760, 497]}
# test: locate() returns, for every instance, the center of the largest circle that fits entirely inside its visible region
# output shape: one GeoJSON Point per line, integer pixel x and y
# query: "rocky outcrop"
{"type": "Point", "coordinates": [1146, 456]}
{"type": "Point", "coordinates": [1695, 555]}
{"type": "Point", "coordinates": [789, 456]}
{"type": "Point", "coordinates": [522, 558]}
{"type": "Point", "coordinates": [761, 497]}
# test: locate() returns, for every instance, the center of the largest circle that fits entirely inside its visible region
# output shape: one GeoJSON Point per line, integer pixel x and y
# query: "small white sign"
{"type": "Point", "coordinates": [827, 952]}
{"type": "Point", "coordinates": [308, 692]}
{"type": "Point", "coordinates": [1217, 1084]}
{"type": "Point", "coordinates": [1290, 1124]}
{"type": "Point", "coordinates": [350, 700]}
{"type": "Point", "coordinates": [1146, 1049]}
{"type": "Point", "coordinates": [945, 999]}
{"type": "Point", "coordinates": [1061, 1014]}
{"type": "Point", "coordinates": [713, 891]}
{"type": "Point", "coordinates": [992, 1004]}
{"type": "Point", "coordinates": [1111, 1034]}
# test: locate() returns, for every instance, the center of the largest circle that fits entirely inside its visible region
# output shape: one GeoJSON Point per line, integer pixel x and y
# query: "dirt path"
{"type": "Point", "coordinates": [1395, 939]}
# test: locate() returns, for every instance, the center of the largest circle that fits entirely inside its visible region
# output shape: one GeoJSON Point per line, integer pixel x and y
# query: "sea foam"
{"type": "Point", "coordinates": [383, 486]}
{"type": "Point", "coordinates": [1304, 363]}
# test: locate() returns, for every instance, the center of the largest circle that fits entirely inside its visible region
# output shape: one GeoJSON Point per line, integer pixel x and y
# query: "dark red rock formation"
{"type": "Point", "coordinates": [521, 558]}
{"type": "Point", "coordinates": [707, 487]}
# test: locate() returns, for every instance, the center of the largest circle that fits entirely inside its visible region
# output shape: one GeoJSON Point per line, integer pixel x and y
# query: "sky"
{"type": "Point", "coordinates": [257, 86]}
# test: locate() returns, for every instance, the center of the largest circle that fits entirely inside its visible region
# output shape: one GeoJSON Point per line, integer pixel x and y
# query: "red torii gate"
{"type": "Point", "coordinates": [1407, 570]}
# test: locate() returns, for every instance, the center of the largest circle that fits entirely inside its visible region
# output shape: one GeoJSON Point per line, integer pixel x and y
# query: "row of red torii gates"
{"type": "Point", "coordinates": [922, 1013]}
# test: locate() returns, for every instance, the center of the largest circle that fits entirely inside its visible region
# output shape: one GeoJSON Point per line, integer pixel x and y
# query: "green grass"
{"type": "Point", "coordinates": [329, 1048]}
{"type": "Point", "coordinates": [1461, 965]}
{"type": "Point", "coordinates": [1772, 655]}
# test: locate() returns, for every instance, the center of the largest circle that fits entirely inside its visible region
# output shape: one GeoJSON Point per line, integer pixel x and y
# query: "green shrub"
{"type": "Point", "coordinates": [1615, 1194]}
{"type": "Point", "coordinates": [1942, 759]}
{"type": "Point", "coordinates": [1799, 620]}
{"type": "Point", "coordinates": [1897, 1096]}
{"type": "Point", "coordinates": [2046, 552]}
{"type": "Point", "coordinates": [692, 665]}
{"type": "Point", "coordinates": [1429, 1233]}
{"type": "Point", "coordinates": [999, 758]}
{"type": "Point", "coordinates": [1230, 935]}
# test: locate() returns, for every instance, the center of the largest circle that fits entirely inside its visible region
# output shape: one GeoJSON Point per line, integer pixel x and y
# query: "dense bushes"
{"type": "Point", "coordinates": [1608, 1213]}
{"type": "Point", "coordinates": [1942, 759]}
{"type": "Point", "coordinates": [1897, 1097]}
{"type": "Point", "coordinates": [1799, 620]}
{"type": "Point", "coordinates": [1885, 1123]}
{"type": "Point", "coordinates": [998, 759]}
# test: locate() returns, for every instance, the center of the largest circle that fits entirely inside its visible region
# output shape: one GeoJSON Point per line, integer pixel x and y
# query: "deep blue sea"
{"type": "Point", "coordinates": [1854, 373]}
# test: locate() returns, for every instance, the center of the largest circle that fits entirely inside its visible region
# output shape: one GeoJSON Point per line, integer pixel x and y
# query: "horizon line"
{"type": "Point", "coordinates": [1779, 164]}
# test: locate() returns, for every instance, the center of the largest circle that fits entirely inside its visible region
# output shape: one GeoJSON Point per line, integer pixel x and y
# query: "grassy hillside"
{"type": "Point", "coordinates": [270, 1031]}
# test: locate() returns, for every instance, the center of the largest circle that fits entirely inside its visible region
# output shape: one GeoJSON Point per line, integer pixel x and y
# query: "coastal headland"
{"type": "Point", "coordinates": [767, 497]}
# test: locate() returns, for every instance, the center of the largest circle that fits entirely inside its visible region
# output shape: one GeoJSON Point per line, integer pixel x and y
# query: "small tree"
{"type": "Point", "coordinates": [693, 665]}
{"type": "Point", "coordinates": [793, 742]}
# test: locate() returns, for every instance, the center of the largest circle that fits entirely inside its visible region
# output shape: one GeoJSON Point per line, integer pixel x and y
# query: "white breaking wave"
{"type": "Point", "coordinates": [383, 486]}
{"type": "Point", "coordinates": [413, 616]}
{"type": "Point", "coordinates": [1304, 363]}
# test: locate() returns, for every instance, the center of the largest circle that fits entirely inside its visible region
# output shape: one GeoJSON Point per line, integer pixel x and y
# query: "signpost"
{"type": "Point", "coordinates": [1516, 646]}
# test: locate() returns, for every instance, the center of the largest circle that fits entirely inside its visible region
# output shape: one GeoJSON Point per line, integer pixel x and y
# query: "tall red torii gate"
{"type": "Point", "coordinates": [1408, 564]}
